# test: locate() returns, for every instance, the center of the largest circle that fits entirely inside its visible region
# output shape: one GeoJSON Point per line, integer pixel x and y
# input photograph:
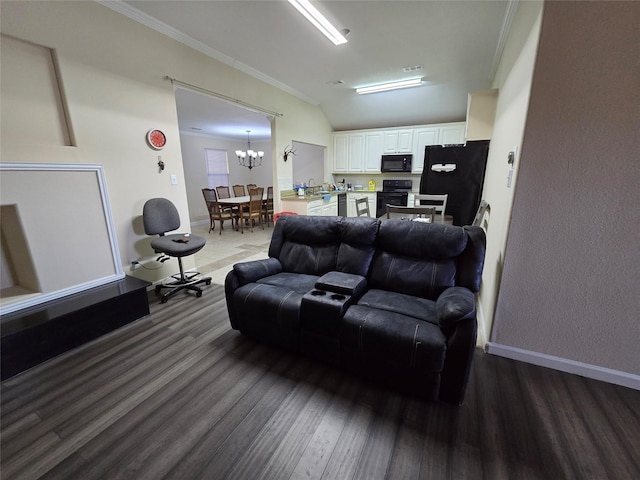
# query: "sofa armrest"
{"type": "Point", "coordinates": [248, 272]}
{"type": "Point", "coordinates": [343, 283]}
{"type": "Point", "coordinates": [453, 305]}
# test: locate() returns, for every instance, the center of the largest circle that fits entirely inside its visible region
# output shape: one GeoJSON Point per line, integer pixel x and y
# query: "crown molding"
{"type": "Point", "coordinates": [161, 27]}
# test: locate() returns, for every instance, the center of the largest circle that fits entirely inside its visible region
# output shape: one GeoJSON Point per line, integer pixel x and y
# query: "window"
{"type": "Point", "coordinates": [217, 167]}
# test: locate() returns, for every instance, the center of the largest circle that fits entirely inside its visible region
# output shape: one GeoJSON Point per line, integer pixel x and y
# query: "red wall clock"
{"type": "Point", "coordinates": [156, 139]}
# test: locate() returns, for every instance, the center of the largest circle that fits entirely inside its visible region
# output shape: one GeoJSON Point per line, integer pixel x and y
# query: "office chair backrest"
{"type": "Point", "coordinates": [159, 216]}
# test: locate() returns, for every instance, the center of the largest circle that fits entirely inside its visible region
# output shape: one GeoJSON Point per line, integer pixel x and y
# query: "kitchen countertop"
{"type": "Point", "coordinates": [290, 195]}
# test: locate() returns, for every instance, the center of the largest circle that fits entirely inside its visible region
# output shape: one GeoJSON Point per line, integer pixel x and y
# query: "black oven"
{"type": "Point", "coordinates": [394, 192]}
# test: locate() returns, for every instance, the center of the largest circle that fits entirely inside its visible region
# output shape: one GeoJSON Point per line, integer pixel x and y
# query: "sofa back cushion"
{"type": "Point", "coordinates": [358, 237]}
{"type": "Point", "coordinates": [416, 258]}
{"type": "Point", "coordinates": [306, 244]}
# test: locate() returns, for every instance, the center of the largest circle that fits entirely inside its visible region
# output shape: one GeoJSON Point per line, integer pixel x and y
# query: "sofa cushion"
{"type": "Point", "coordinates": [270, 313]}
{"type": "Point", "coordinates": [416, 258]}
{"type": "Point", "coordinates": [416, 307]}
{"type": "Point", "coordinates": [392, 339]}
{"type": "Point", "coordinates": [306, 244]}
{"type": "Point", "coordinates": [357, 247]}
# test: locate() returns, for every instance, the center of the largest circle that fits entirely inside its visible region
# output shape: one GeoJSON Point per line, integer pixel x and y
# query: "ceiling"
{"type": "Point", "coordinates": [457, 44]}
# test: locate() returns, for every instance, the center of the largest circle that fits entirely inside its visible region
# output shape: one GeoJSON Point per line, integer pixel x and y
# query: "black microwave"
{"type": "Point", "coordinates": [396, 163]}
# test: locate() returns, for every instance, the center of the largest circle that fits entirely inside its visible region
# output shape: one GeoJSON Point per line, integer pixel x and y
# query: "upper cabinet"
{"type": "Point", "coordinates": [481, 112]}
{"type": "Point", "coordinates": [452, 134]}
{"type": "Point", "coordinates": [398, 141]}
{"type": "Point", "coordinates": [423, 137]}
{"type": "Point", "coordinates": [360, 151]}
{"type": "Point", "coordinates": [340, 152]}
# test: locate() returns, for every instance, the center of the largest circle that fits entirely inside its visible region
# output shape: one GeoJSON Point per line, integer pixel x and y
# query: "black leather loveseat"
{"type": "Point", "coordinates": [389, 300]}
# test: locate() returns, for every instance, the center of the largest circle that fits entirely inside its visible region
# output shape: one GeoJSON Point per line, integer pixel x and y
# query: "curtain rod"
{"type": "Point", "coordinates": [248, 106]}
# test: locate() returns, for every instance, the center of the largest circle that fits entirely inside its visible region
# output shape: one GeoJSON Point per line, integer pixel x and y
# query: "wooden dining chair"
{"type": "Point", "coordinates": [216, 212]}
{"type": "Point", "coordinates": [238, 191]}
{"type": "Point", "coordinates": [255, 206]}
{"type": "Point", "coordinates": [250, 186]}
{"type": "Point", "coordinates": [267, 206]}
{"type": "Point", "coordinates": [223, 191]}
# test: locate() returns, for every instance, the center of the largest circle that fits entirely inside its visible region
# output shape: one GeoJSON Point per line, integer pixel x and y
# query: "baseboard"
{"type": "Point", "coordinates": [482, 339]}
{"type": "Point", "coordinates": [565, 365]}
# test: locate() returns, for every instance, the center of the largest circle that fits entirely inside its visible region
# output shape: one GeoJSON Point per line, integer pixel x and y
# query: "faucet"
{"type": "Point", "coordinates": [311, 191]}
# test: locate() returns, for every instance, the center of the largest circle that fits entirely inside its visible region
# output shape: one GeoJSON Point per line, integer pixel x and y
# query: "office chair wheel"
{"type": "Point", "coordinates": [158, 288]}
{"type": "Point", "coordinates": [164, 300]}
{"type": "Point", "coordinates": [199, 293]}
{"type": "Point", "coordinates": [207, 282]}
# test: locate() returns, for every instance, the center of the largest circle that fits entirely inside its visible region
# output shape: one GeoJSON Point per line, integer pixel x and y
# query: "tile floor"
{"type": "Point", "coordinates": [222, 251]}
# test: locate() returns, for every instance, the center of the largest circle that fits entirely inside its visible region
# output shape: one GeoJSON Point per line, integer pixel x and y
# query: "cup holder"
{"type": "Point", "coordinates": [337, 296]}
{"type": "Point", "coordinates": [318, 293]}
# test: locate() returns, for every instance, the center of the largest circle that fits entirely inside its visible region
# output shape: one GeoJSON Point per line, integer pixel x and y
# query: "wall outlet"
{"type": "Point", "coordinates": [174, 179]}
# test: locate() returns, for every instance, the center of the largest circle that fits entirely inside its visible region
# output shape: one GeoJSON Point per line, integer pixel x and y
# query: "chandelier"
{"type": "Point", "coordinates": [249, 158]}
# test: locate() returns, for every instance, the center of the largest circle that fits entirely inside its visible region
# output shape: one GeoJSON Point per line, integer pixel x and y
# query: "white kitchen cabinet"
{"type": "Point", "coordinates": [373, 149]}
{"type": "Point", "coordinates": [351, 202]}
{"type": "Point", "coordinates": [340, 152]}
{"type": "Point", "coordinates": [423, 137]}
{"type": "Point", "coordinates": [398, 141]}
{"type": "Point", "coordinates": [355, 162]}
{"type": "Point", "coordinates": [452, 134]}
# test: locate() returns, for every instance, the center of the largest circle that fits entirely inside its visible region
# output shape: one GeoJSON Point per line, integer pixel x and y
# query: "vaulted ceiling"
{"type": "Point", "coordinates": [454, 46]}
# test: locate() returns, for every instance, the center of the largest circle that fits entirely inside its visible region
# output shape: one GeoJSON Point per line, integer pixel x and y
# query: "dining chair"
{"type": "Point", "coordinates": [482, 215]}
{"type": "Point", "coordinates": [437, 201]}
{"type": "Point", "coordinates": [223, 191]}
{"type": "Point", "coordinates": [250, 186]}
{"type": "Point", "coordinates": [422, 213]}
{"type": "Point", "coordinates": [255, 206]}
{"type": "Point", "coordinates": [362, 207]}
{"type": "Point", "coordinates": [267, 206]}
{"type": "Point", "coordinates": [238, 191]}
{"type": "Point", "coordinates": [216, 212]}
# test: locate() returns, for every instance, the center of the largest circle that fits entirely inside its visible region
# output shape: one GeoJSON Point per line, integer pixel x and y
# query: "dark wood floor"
{"type": "Point", "coordinates": [179, 395]}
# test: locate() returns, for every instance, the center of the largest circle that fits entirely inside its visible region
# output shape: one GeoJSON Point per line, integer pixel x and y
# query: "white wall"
{"type": "Point", "coordinates": [112, 73]}
{"type": "Point", "coordinates": [513, 79]}
{"type": "Point", "coordinates": [571, 267]}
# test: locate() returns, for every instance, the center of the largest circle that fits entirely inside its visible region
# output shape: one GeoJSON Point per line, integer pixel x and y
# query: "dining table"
{"type": "Point", "coordinates": [240, 203]}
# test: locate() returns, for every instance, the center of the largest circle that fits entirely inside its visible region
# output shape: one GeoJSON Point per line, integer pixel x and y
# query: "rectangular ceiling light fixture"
{"type": "Point", "coordinates": [319, 21]}
{"type": "Point", "coordinates": [384, 87]}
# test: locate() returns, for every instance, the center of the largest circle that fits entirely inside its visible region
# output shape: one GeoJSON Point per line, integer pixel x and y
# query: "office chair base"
{"type": "Point", "coordinates": [183, 281]}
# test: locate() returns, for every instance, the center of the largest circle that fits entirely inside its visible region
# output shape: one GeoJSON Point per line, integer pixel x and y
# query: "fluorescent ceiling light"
{"type": "Point", "coordinates": [383, 87]}
{"type": "Point", "coordinates": [318, 20]}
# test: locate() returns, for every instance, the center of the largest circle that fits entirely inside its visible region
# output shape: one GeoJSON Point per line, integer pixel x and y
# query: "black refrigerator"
{"type": "Point", "coordinates": [457, 170]}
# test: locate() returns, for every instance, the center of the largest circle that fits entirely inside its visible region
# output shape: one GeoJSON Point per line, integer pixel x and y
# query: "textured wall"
{"type": "Point", "coordinates": [572, 263]}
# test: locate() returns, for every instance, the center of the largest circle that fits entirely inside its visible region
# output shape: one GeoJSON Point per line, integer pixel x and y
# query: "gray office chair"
{"type": "Point", "coordinates": [160, 216]}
